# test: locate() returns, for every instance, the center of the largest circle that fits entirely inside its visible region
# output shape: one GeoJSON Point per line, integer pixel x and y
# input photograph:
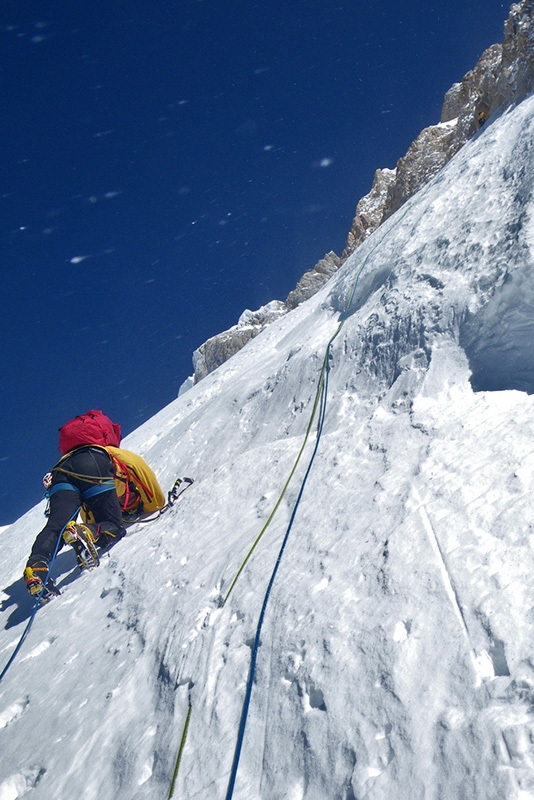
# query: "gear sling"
{"type": "Point", "coordinates": [136, 485]}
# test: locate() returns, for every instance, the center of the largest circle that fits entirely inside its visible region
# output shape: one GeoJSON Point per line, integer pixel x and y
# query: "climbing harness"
{"type": "Point", "coordinates": [37, 600]}
{"type": "Point", "coordinates": [105, 484]}
{"type": "Point", "coordinates": [99, 484]}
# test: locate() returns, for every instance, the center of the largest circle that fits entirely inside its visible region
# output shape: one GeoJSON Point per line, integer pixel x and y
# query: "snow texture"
{"type": "Point", "coordinates": [396, 655]}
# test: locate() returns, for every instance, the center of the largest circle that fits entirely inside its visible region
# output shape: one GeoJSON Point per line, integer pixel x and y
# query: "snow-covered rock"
{"type": "Point", "coordinates": [396, 654]}
{"type": "Point", "coordinates": [370, 209]}
{"type": "Point", "coordinates": [219, 348]}
{"type": "Point", "coordinates": [503, 76]}
{"type": "Point", "coordinates": [312, 281]}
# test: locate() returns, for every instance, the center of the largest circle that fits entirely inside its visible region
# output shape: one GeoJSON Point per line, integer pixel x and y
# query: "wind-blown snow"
{"type": "Point", "coordinates": [396, 657]}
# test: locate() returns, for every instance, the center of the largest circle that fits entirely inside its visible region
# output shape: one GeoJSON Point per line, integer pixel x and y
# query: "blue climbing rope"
{"type": "Point", "coordinates": [320, 403]}
{"type": "Point", "coordinates": [322, 395]}
{"type": "Point", "coordinates": [37, 601]}
{"type": "Point", "coordinates": [255, 648]}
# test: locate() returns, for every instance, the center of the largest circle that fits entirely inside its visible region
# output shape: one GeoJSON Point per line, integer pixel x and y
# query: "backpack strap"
{"type": "Point", "coordinates": [128, 473]}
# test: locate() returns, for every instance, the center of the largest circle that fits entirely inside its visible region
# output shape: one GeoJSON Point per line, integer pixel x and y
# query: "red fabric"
{"type": "Point", "coordinates": [93, 427]}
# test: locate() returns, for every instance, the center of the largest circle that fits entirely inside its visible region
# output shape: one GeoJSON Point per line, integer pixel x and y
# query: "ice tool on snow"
{"type": "Point", "coordinates": [180, 485]}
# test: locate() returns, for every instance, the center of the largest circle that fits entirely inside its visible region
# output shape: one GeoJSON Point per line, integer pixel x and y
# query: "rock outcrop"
{"type": "Point", "coordinates": [313, 280]}
{"type": "Point", "coordinates": [370, 210]}
{"type": "Point", "coordinates": [504, 75]}
{"type": "Point", "coordinates": [218, 349]}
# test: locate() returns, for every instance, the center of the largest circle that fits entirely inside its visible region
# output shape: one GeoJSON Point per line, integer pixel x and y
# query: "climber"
{"type": "Point", "coordinates": [482, 107]}
{"type": "Point", "coordinates": [88, 476]}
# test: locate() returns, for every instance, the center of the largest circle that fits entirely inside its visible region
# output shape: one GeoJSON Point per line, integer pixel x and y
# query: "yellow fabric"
{"type": "Point", "coordinates": [140, 473]}
{"type": "Point", "coordinates": [138, 469]}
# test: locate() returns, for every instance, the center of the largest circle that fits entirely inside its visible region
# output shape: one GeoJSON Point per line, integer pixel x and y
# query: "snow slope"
{"type": "Point", "coordinates": [396, 656]}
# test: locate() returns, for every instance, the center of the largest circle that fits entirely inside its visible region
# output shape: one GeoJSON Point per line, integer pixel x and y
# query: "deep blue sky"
{"type": "Point", "coordinates": [162, 172]}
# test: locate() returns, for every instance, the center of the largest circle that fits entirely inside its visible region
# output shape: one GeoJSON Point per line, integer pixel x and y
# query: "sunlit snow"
{"type": "Point", "coordinates": [396, 654]}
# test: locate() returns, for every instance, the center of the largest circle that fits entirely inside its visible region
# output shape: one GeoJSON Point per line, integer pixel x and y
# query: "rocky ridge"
{"type": "Point", "coordinates": [503, 76]}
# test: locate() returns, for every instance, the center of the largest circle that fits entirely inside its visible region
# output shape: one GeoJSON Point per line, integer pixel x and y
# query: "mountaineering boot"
{"type": "Point", "coordinates": [106, 539]}
{"type": "Point", "coordinates": [83, 539]}
{"type": "Point", "coordinates": [34, 577]}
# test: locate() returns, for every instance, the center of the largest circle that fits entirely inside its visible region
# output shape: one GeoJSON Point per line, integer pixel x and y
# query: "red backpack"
{"type": "Point", "coordinates": [93, 427]}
